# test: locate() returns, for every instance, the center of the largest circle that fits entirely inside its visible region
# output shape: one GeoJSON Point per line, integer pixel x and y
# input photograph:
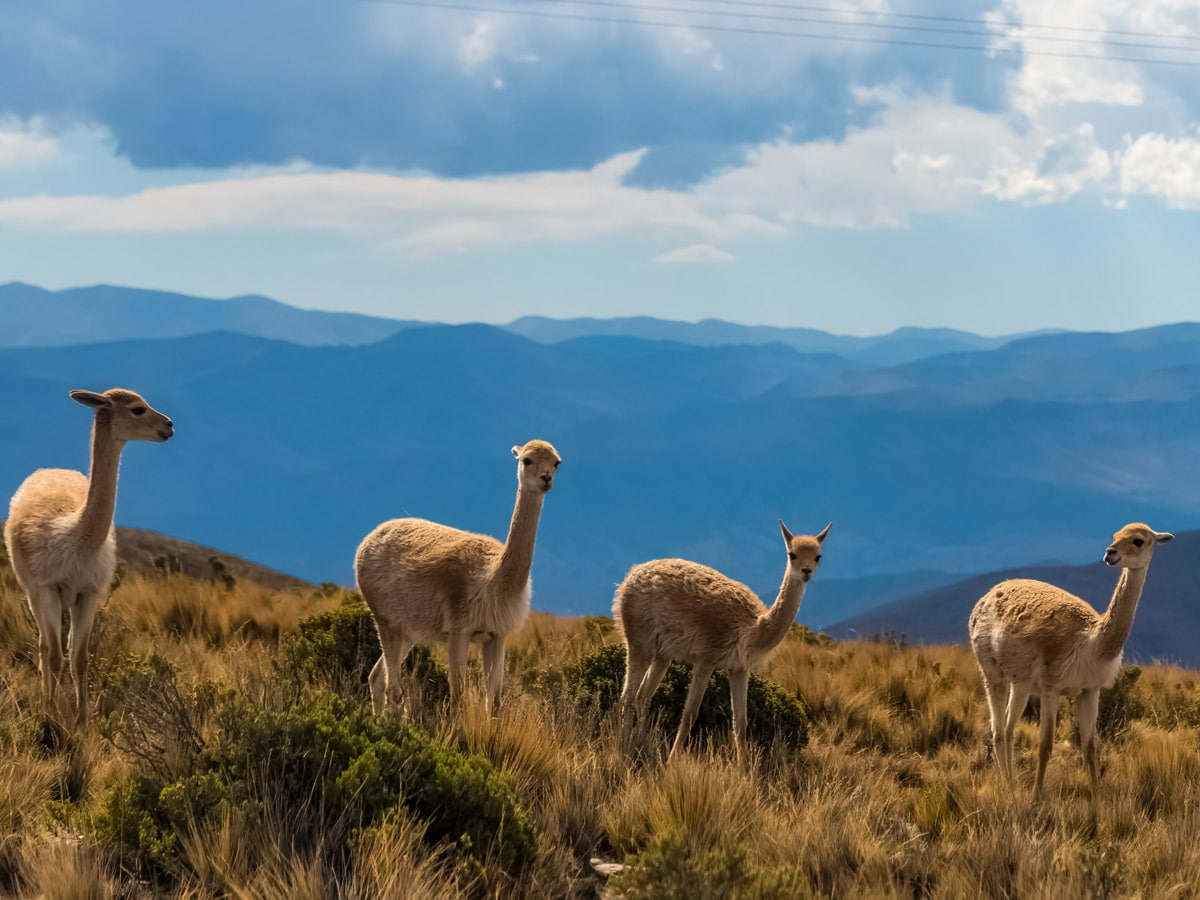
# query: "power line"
{"type": "Point", "coordinates": [731, 29]}
{"type": "Point", "coordinates": [890, 26]}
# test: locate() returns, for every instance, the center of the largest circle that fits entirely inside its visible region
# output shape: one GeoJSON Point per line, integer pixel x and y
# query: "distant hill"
{"type": "Point", "coordinates": [1163, 631]}
{"type": "Point", "coordinates": [33, 317]}
{"type": "Point", "coordinates": [147, 552]}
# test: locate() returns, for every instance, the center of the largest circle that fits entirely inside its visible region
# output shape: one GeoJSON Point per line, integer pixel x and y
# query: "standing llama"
{"type": "Point", "coordinates": [427, 583]}
{"type": "Point", "coordinates": [61, 538]}
{"type": "Point", "coordinates": [669, 609]}
{"type": "Point", "coordinates": [1034, 638]}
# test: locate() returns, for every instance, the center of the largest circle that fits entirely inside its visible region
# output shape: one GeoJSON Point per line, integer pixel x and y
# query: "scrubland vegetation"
{"type": "Point", "coordinates": [233, 753]}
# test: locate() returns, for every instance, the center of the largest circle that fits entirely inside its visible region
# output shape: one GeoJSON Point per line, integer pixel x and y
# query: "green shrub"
{"type": "Point", "coordinates": [328, 768]}
{"type": "Point", "coordinates": [1120, 705]}
{"type": "Point", "coordinates": [772, 712]}
{"type": "Point", "coordinates": [671, 868]}
{"type": "Point", "coordinates": [341, 647]}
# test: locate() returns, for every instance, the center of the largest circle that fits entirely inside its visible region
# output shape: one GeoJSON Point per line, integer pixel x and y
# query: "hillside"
{"type": "Point", "coordinates": [148, 553]}
{"type": "Point", "coordinates": [1162, 630]}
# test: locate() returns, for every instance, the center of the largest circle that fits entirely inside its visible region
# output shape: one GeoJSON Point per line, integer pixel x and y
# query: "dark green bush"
{"type": "Point", "coordinates": [670, 867]}
{"type": "Point", "coordinates": [341, 647]}
{"type": "Point", "coordinates": [772, 712]}
{"type": "Point", "coordinates": [1120, 705]}
{"type": "Point", "coordinates": [328, 768]}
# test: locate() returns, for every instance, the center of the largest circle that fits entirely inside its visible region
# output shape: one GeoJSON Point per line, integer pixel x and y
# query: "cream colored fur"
{"type": "Point", "coordinates": [1034, 638]}
{"type": "Point", "coordinates": [61, 538]}
{"type": "Point", "coordinates": [428, 583]}
{"type": "Point", "coordinates": [672, 609]}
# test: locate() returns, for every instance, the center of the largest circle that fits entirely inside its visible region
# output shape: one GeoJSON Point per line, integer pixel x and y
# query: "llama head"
{"type": "Point", "coordinates": [537, 462]}
{"type": "Point", "coordinates": [804, 550]}
{"type": "Point", "coordinates": [1133, 546]}
{"type": "Point", "coordinates": [130, 416]}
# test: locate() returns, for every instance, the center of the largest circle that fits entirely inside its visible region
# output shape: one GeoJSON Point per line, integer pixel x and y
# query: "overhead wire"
{"type": "Point", "coordinates": [457, 5]}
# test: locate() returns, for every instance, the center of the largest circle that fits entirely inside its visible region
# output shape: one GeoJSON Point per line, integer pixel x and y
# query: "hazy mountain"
{"type": "Point", "coordinates": [1164, 629]}
{"type": "Point", "coordinates": [34, 317]}
{"type": "Point", "coordinates": [291, 454]}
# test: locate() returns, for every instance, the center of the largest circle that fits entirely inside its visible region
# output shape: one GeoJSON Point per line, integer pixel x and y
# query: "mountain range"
{"type": "Point", "coordinates": [1031, 450]}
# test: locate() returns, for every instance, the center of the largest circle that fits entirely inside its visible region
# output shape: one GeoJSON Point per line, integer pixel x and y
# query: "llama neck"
{"type": "Point", "coordinates": [772, 626]}
{"type": "Point", "coordinates": [1117, 620]}
{"type": "Point", "coordinates": [512, 572]}
{"type": "Point", "coordinates": [96, 519]}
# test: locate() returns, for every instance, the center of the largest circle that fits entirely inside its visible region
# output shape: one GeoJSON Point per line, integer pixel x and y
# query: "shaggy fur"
{"type": "Point", "coordinates": [61, 538]}
{"type": "Point", "coordinates": [1034, 638]}
{"type": "Point", "coordinates": [670, 609]}
{"type": "Point", "coordinates": [428, 583]}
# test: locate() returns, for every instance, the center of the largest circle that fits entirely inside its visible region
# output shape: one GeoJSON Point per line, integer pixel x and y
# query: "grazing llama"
{"type": "Point", "coordinates": [1034, 638]}
{"type": "Point", "coordinates": [61, 538]}
{"type": "Point", "coordinates": [427, 583]}
{"type": "Point", "coordinates": [669, 609]}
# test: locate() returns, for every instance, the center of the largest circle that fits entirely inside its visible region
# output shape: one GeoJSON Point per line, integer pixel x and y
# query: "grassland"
{"type": "Point", "coordinates": [893, 795]}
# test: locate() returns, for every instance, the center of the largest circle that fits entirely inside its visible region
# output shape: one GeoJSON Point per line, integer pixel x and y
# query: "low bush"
{"type": "Point", "coordinates": [327, 768]}
{"type": "Point", "coordinates": [773, 713]}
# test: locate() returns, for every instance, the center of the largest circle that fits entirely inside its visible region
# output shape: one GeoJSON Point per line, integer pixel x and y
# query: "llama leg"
{"type": "Point", "coordinates": [46, 606]}
{"type": "Point", "coordinates": [82, 618]}
{"type": "Point", "coordinates": [493, 670]}
{"type": "Point", "coordinates": [1046, 742]}
{"type": "Point", "coordinates": [385, 675]}
{"type": "Point", "coordinates": [457, 646]}
{"type": "Point", "coordinates": [739, 683]}
{"type": "Point", "coordinates": [645, 692]}
{"type": "Point", "coordinates": [1087, 708]}
{"type": "Point", "coordinates": [691, 706]}
{"type": "Point", "coordinates": [635, 668]}
{"type": "Point", "coordinates": [1018, 696]}
{"type": "Point", "coordinates": [997, 696]}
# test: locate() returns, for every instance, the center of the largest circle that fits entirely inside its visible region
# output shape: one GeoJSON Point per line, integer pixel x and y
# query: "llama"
{"type": "Point", "coordinates": [1033, 637]}
{"type": "Point", "coordinates": [62, 541]}
{"type": "Point", "coordinates": [427, 583]}
{"type": "Point", "coordinates": [669, 609]}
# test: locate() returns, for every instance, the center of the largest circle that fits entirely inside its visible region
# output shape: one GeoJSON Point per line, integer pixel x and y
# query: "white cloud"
{"type": "Point", "coordinates": [1154, 164]}
{"type": "Point", "coordinates": [25, 145]}
{"type": "Point", "coordinates": [694, 253]}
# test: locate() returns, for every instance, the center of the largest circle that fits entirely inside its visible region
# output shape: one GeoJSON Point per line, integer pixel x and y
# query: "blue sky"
{"type": "Point", "coordinates": [477, 164]}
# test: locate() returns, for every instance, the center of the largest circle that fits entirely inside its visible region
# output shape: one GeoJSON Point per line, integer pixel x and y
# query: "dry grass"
{"type": "Point", "coordinates": [893, 797]}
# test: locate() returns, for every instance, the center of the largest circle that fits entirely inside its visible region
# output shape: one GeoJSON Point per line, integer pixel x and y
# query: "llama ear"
{"type": "Point", "coordinates": [1161, 537]}
{"type": "Point", "coordinates": [516, 452]}
{"type": "Point", "coordinates": [825, 531]}
{"type": "Point", "coordinates": [787, 535]}
{"type": "Point", "coordinates": [91, 398]}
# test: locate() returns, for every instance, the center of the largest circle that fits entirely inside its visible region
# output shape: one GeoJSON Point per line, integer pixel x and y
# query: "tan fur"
{"type": "Point", "coordinates": [1034, 638]}
{"type": "Point", "coordinates": [61, 538]}
{"type": "Point", "coordinates": [673, 609]}
{"type": "Point", "coordinates": [428, 583]}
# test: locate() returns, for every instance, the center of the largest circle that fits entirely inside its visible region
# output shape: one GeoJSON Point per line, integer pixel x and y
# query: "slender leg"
{"type": "Point", "coordinates": [1087, 708]}
{"type": "Point", "coordinates": [493, 670]}
{"type": "Point", "coordinates": [645, 692]}
{"type": "Point", "coordinates": [385, 675]}
{"type": "Point", "coordinates": [739, 683]}
{"type": "Point", "coordinates": [456, 648]}
{"type": "Point", "coordinates": [635, 668]}
{"type": "Point", "coordinates": [1017, 698]}
{"type": "Point", "coordinates": [1046, 744]}
{"type": "Point", "coordinates": [46, 606]}
{"type": "Point", "coordinates": [695, 694]}
{"type": "Point", "coordinates": [997, 696]}
{"type": "Point", "coordinates": [83, 616]}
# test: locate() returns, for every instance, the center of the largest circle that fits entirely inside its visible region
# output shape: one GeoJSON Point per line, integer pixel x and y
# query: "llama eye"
{"type": "Point", "coordinates": [1137, 542]}
{"type": "Point", "coordinates": [527, 462]}
{"type": "Point", "coordinates": [557, 464]}
{"type": "Point", "coordinates": [138, 410]}
{"type": "Point", "coordinates": [791, 556]}
{"type": "Point", "coordinates": [818, 557]}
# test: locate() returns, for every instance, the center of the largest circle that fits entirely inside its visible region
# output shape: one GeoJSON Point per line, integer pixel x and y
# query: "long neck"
{"type": "Point", "coordinates": [97, 516]}
{"type": "Point", "coordinates": [772, 626]}
{"type": "Point", "coordinates": [512, 572]}
{"type": "Point", "coordinates": [1117, 620]}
